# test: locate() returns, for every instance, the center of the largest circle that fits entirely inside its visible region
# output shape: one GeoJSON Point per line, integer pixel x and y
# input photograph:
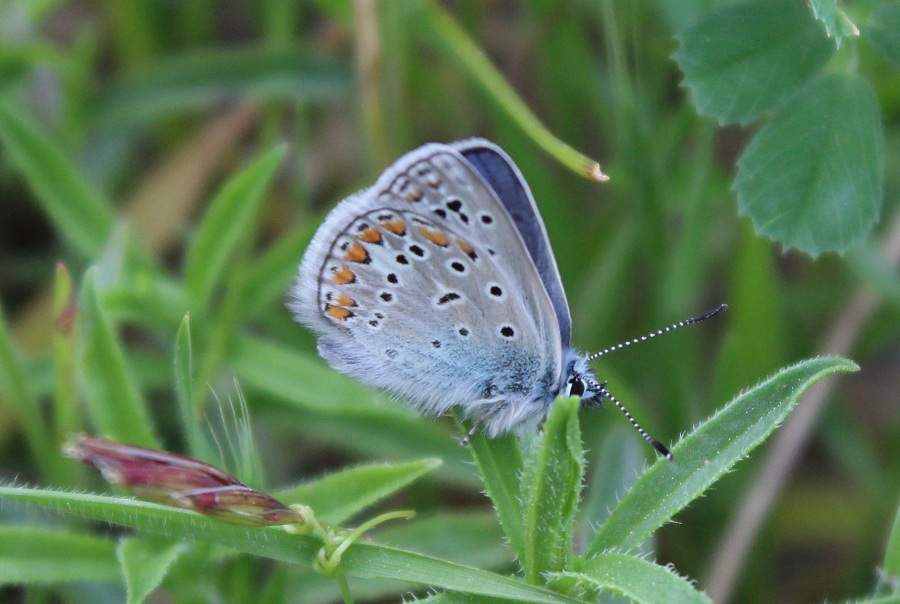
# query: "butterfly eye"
{"type": "Point", "coordinates": [576, 386]}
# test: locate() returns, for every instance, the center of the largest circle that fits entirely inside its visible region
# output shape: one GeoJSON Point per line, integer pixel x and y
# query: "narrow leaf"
{"type": "Point", "coordinates": [145, 562]}
{"type": "Point", "coordinates": [111, 393]}
{"type": "Point", "coordinates": [198, 80]}
{"type": "Point", "coordinates": [553, 475]}
{"type": "Point", "coordinates": [707, 452]}
{"type": "Point", "coordinates": [634, 578]}
{"type": "Point", "coordinates": [812, 178]}
{"type": "Point", "coordinates": [39, 556]}
{"type": "Point", "coordinates": [892, 553]}
{"type": "Point", "coordinates": [227, 225]}
{"type": "Point", "coordinates": [499, 461]}
{"type": "Point", "coordinates": [338, 497]}
{"type": "Point", "coordinates": [80, 213]}
{"type": "Point", "coordinates": [20, 397]}
{"type": "Point", "coordinates": [743, 60]}
{"type": "Point", "coordinates": [362, 559]}
{"type": "Point", "coordinates": [184, 390]}
{"type": "Point", "coordinates": [66, 418]}
{"type": "Point", "coordinates": [446, 34]}
{"type": "Point", "coordinates": [614, 469]}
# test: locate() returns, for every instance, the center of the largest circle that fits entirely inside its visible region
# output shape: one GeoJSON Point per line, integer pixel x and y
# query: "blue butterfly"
{"type": "Point", "coordinates": [438, 285]}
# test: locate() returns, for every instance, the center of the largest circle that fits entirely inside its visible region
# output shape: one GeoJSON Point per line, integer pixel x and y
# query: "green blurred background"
{"type": "Point", "coordinates": [157, 103]}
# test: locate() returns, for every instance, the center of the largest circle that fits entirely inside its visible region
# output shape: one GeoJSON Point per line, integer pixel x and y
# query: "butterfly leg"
{"type": "Point", "coordinates": [481, 420]}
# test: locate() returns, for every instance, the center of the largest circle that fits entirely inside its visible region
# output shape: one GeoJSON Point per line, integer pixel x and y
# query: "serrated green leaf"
{"type": "Point", "coordinates": [145, 562]}
{"type": "Point", "coordinates": [554, 471]}
{"type": "Point", "coordinates": [361, 559]}
{"type": "Point", "coordinates": [228, 223]}
{"type": "Point", "coordinates": [743, 60]}
{"type": "Point", "coordinates": [80, 213]}
{"type": "Point", "coordinates": [634, 578]}
{"type": "Point", "coordinates": [111, 393]}
{"type": "Point", "coordinates": [200, 79]}
{"type": "Point", "coordinates": [836, 22]}
{"type": "Point", "coordinates": [812, 178]}
{"type": "Point", "coordinates": [338, 497]}
{"type": "Point", "coordinates": [32, 555]}
{"type": "Point", "coordinates": [707, 453]}
{"type": "Point", "coordinates": [882, 27]}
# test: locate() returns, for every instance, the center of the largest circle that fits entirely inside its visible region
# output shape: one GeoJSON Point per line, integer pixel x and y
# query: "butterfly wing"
{"type": "Point", "coordinates": [504, 177]}
{"type": "Point", "coordinates": [424, 287]}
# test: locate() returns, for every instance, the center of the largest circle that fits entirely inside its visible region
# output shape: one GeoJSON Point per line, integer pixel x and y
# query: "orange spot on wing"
{"type": "Point", "coordinates": [343, 276]}
{"type": "Point", "coordinates": [435, 237]}
{"type": "Point", "coordinates": [414, 195]}
{"type": "Point", "coordinates": [397, 227]}
{"type": "Point", "coordinates": [370, 235]}
{"type": "Point", "coordinates": [337, 313]}
{"type": "Point", "coordinates": [465, 246]}
{"type": "Point", "coordinates": [357, 253]}
{"type": "Point", "coordinates": [345, 300]}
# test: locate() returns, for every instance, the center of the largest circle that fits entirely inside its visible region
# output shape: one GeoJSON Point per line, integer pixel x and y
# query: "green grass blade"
{"type": "Point", "coordinates": [338, 497]}
{"type": "Point", "coordinates": [66, 418]}
{"type": "Point", "coordinates": [80, 213]}
{"type": "Point", "coordinates": [33, 555]}
{"type": "Point", "coordinates": [638, 580]}
{"type": "Point", "coordinates": [616, 465]}
{"type": "Point", "coordinates": [892, 554]}
{"type": "Point", "coordinates": [707, 453]}
{"type": "Point", "coordinates": [113, 398]}
{"type": "Point", "coordinates": [274, 271]}
{"type": "Point", "coordinates": [184, 392]}
{"type": "Point", "coordinates": [228, 224]}
{"type": "Point", "coordinates": [441, 30]}
{"type": "Point", "coordinates": [17, 391]}
{"type": "Point", "coordinates": [145, 563]}
{"type": "Point", "coordinates": [365, 560]}
{"type": "Point", "coordinates": [302, 379]}
{"type": "Point", "coordinates": [554, 470]}
{"type": "Point", "coordinates": [199, 80]}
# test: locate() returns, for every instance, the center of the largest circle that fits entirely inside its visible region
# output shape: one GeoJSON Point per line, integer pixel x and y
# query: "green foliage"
{"type": "Point", "coordinates": [175, 159]}
{"type": "Point", "coordinates": [707, 453]}
{"type": "Point", "coordinates": [822, 157]}
{"type": "Point", "coordinates": [812, 178]}
{"type": "Point", "coordinates": [145, 562]}
{"type": "Point", "coordinates": [743, 60]}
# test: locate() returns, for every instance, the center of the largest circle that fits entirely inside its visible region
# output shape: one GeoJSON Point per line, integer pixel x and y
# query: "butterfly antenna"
{"type": "Point", "coordinates": [601, 391]}
{"type": "Point", "coordinates": [708, 314]}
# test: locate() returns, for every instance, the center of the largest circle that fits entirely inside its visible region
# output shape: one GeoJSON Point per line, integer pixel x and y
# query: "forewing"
{"type": "Point", "coordinates": [504, 177]}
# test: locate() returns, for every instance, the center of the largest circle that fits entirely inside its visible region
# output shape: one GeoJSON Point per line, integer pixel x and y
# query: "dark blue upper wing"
{"type": "Point", "coordinates": [504, 177]}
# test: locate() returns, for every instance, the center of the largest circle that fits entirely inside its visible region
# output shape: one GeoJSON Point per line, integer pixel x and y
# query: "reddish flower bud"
{"type": "Point", "coordinates": [180, 481]}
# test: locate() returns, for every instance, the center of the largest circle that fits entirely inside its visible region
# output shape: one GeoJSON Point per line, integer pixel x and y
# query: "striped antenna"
{"type": "Point", "coordinates": [601, 391]}
{"type": "Point", "coordinates": [708, 314]}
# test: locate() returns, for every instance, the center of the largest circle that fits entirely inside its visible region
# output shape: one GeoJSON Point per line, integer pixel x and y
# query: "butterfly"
{"type": "Point", "coordinates": [438, 285]}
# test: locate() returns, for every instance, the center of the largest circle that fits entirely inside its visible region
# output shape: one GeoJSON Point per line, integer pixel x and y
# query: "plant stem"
{"type": "Point", "coordinates": [345, 587]}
